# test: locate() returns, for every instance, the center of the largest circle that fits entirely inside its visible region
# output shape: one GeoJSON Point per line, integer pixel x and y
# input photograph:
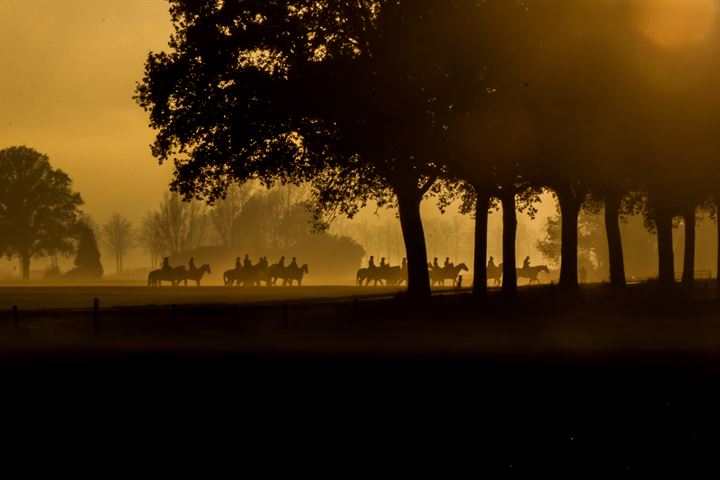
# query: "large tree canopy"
{"type": "Point", "coordinates": [38, 208]}
{"type": "Point", "coordinates": [377, 99]}
{"type": "Point", "coordinates": [324, 91]}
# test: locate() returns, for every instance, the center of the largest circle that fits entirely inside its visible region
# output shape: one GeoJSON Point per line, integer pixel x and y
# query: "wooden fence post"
{"type": "Point", "coordinates": [96, 316]}
{"type": "Point", "coordinates": [16, 324]}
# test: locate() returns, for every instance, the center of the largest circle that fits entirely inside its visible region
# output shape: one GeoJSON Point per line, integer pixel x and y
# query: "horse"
{"type": "Point", "coordinates": [156, 277]}
{"type": "Point", "coordinates": [531, 273]}
{"type": "Point", "coordinates": [173, 275]}
{"type": "Point", "coordinates": [439, 275]}
{"type": "Point", "coordinates": [195, 274]}
{"type": "Point", "coordinates": [251, 275]}
{"type": "Point", "coordinates": [293, 273]}
{"type": "Point", "coordinates": [273, 272]}
{"type": "Point", "coordinates": [396, 276]}
{"type": "Point", "coordinates": [367, 275]}
{"type": "Point", "coordinates": [495, 272]}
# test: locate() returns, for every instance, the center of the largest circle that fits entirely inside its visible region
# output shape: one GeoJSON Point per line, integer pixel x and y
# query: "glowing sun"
{"type": "Point", "coordinates": [675, 24]}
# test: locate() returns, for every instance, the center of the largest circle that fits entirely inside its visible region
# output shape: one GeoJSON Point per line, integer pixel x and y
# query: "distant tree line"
{"type": "Point", "coordinates": [249, 218]}
{"type": "Point", "coordinates": [491, 102]}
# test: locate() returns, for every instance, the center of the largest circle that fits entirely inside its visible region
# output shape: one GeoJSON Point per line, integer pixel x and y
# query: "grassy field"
{"type": "Point", "coordinates": [39, 297]}
{"type": "Point", "coordinates": [598, 381]}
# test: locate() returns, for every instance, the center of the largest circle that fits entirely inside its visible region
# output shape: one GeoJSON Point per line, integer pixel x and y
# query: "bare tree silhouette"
{"type": "Point", "coordinates": [119, 236]}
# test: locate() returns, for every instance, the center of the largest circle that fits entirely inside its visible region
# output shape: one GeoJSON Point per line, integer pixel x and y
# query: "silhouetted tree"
{"type": "Point", "coordinates": [38, 208]}
{"type": "Point", "coordinates": [226, 213]}
{"type": "Point", "coordinates": [149, 237]}
{"type": "Point", "coordinates": [176, 226]}
{"type": "Point", "coordinates": [119, 237]}
{"type": "Point", "coordinates": [329, 91]}
{"type": "Point", "coordinates": [87, 259]}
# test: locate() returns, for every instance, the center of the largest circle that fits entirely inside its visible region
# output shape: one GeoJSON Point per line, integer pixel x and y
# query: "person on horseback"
{"type": "Point", "coordinates": [281, 262]}
{"type": "Point", "coordinates": [166, 264]}
{"type": "Point", "coordinates": [191, 264]}
{"type": "Point", "coordinates": [435, 264]}
{"type": "Point", "coordinates": [293, 264]}
{"type": "Point", "coordinates": [404, 263]}
{"type": "Point", "coordinates": [246, 262]}
{"type": "Point", "coordinates": [383, 264]}
{"type": "Point", "coordinates": [491, 263]}
{"type": "Point", "coordinates": [371, 263]}
{"type": "Point", "coordinates": [526, 263]}
{"type": "Point", "coordinates": [447, 263]}
{"type": "Point", "coordinates": [237, 263]}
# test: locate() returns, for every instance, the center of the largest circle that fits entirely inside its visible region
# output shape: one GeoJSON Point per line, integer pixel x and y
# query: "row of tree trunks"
{"type": "Point", "coordinates": [688, 277]}
{"type": "Point", "coordinates": [509, 280]}
{"type": "Point", "coordinates": [480, 277]}
{"type": "Point", "coordinates": [414, 238]}
{"type": "Point", "coordinates": [570, 205]}
{"type": "Point", "coordinates": [717, 220]}
{"type": "Point", "coordinates": [615, 250]}
{"type": "Point", "coordinates": [666, 267]}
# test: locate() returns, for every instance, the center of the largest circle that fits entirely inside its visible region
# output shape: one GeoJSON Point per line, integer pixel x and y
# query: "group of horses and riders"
{"type": "Point", "coordinates": [177, 275]}
{"type": "Point", "coordinates": [495, 272]}
{"type": "Point", "coordinates": [387, 275]}
{"type": "Point", "coordinates": [382, 273]}
{"type": "Point", "coordinates": [247, 274]}
{"type": "Point", "coordinates": [448, 271]}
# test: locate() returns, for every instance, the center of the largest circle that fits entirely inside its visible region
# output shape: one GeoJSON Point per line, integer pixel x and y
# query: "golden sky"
{"type": "Point", "coordinates": [67, 75]}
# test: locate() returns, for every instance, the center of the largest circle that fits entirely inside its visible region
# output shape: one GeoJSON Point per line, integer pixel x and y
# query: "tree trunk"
{"type": "Point", "coordinates": [569, 211]}
{"type": "Point", "coordinates": [25, 265]}
{"type": "Point", "coordinates": [509, 280]}
{"type": "Point", "coordinates": [717, 267]}
{"type": "Point", "coordinates": [666, 268]}
{"type": "Point", "coordinates": [615, 249]}
{"type": "Point", "coordinates": [482, 204]}
{"type": "Point", "coordinates": [414, 238]}
{"type": "Point", "coordinates": [688, 277]}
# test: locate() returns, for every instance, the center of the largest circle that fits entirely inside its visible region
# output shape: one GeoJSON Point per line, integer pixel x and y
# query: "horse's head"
{"type": "Point", "coordinates": [304, 268]}
{"type": "Point", "coordinates": [206, 268]}
{"type": "Point", "coordinates": [463, 267]}
{"type": "Point", "coordinates": [544, 268]}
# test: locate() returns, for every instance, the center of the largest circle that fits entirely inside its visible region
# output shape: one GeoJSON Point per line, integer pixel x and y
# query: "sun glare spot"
{"type": "Point", "coordinates": [675, 24]}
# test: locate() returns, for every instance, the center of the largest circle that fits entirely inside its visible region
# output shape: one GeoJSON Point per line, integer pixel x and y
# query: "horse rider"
{"type": "Point", "coordinates": [191, 264]}
{"type": "Point", "coordinates": [491, 264]}
{"type": "Point", "coordinates": [436, 265]}
{"type": "Point", "coordinates": [404, 263]}
{"type": "Point", "coordinates": [293, 264]}
{"type": "Point", "coordinates": [526, 263]}
{"type": "Point", "coordinates": [246, 262]}
{"type": "Point", "coordinates": [165, 264]}
{"type": "Point", "coordinates": [383, 264]}
{"type": "Point", "coordinates": [237, 263]}
{"type": "Point", "coordinates": [281, 262]}
{"type": "Point", "coordinates": [447, 263]}
{"type": "Point", "coordinates": [371, 263]}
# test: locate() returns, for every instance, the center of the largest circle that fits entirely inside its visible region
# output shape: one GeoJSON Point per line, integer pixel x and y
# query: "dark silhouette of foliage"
{"type": "Point", "coordinates": [300, 90]}
{"type": "Point", "coordinates": [87, 259]}
{"type": "Point", "coordinates": [38, 208]}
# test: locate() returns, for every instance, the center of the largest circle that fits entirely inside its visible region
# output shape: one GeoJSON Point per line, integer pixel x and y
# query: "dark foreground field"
{"type": "Point", "coordinates": [595, 382]}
